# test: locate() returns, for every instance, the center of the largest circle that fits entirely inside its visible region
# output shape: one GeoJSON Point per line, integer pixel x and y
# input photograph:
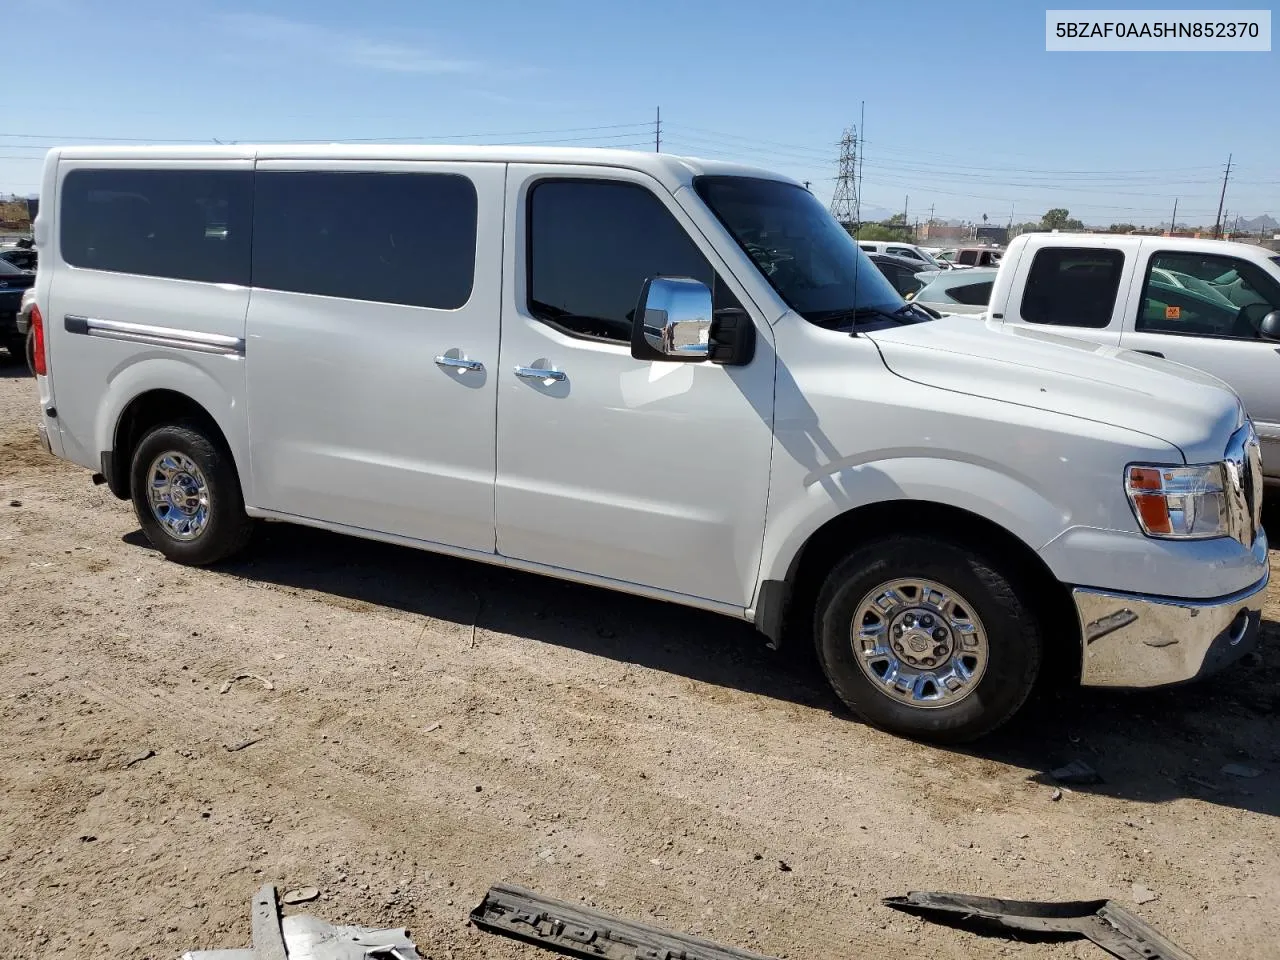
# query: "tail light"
{"type": "Point", "coordinates": [37, 327]}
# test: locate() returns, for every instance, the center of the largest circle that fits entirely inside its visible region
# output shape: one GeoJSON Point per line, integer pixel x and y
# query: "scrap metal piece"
{"type": "Point", "coordinates": [1105, 922]}
{"type": "Point", "coordinates": [304, 937]}
{"type": "Point", "coordinates": [581, 932]}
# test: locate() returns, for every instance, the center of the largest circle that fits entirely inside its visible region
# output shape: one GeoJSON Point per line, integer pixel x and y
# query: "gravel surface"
{"type": "Point", "coordinates": [414, 728]}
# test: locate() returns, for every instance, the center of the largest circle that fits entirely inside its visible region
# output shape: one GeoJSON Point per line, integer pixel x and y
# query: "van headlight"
{"type": "Point", "coordinates": [1179, 503]}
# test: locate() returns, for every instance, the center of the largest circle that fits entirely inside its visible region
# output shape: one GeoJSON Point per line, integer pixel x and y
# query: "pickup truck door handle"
{"type": "Point", "coordinates": [460, 363]}
{"type": "Point", "coordinates": [540, 373]}
{"type": "Point", "coordinates": [1152, 353]}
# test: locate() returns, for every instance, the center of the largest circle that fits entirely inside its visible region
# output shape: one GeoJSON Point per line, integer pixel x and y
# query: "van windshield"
{"type": "Point", "coordinates": [808, 258]}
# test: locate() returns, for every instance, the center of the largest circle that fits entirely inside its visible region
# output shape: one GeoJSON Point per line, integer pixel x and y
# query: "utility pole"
{"type": "Point", "coordinates": [1173, 224]}
{"type": "Point", "coordinates": [657, 132]}
{"type": "Point", "coordinates": [904, 209]}
{"type": "Point", "coordinates": [844, 202]}
{"type": "Point", "coordinates": [1217, 222]}
{"type": "Point", "coordinates": [806, 184]}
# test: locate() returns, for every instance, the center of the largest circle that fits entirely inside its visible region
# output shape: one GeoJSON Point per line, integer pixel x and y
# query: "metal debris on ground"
{"type": "Point", "coordinates": [267, 684]}
{"type": "Point", "coordinates": [307, 938]}
{"type": "Point", "coordinates": [1109, 925]}
{"type": "Point", "coordinates": [1076, 773]}
{"type": "Point", "coordinates": [588, 934]}
{"type": "Point", "coordinates": [301, 895]}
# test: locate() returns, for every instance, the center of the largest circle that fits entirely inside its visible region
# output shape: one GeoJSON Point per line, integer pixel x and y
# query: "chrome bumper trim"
{"type": "Point", "coordinates": [1131, 640]}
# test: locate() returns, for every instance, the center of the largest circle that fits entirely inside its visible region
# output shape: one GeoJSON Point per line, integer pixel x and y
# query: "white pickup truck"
{"type": "Point", "coordinates": [662, 375]}
{"type": "Point", "coordinates": [1206, 303]}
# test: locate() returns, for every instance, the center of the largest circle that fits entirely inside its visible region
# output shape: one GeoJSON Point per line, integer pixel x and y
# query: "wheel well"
{"type": "Point", "coordinates": [147, 410]}
{"type": "Point", "coordinates": [834, 539]}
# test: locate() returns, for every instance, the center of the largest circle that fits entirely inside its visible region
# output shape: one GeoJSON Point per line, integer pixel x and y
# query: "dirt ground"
{"type": "Point", "coordinates": [433, 726]}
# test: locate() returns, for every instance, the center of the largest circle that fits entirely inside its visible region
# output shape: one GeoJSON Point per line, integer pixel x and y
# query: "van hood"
{"type": "Point", "coordinates": [1172, 402]}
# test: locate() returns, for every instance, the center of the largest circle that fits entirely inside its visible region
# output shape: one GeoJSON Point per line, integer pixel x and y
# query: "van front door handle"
{"type": "Point", "coordinates": [540, 373]}
{"type": "Point", "coordinates": [460, 363]}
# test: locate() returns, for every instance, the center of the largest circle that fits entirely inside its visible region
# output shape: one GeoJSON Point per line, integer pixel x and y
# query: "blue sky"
{"type": "Point", "coordinates": [965, 111]}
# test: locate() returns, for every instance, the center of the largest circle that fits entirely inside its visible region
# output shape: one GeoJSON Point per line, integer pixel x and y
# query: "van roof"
{"type": "Point", "coordinates": [672, 170]}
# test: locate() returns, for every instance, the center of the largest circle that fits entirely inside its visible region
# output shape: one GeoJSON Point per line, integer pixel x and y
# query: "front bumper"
{"type": "Point", "coordinates": [1130, 640]}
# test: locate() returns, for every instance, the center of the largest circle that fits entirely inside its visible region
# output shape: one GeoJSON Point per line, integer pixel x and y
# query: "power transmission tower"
{"type": "Point", "coordinates": [657, 132]}
{"type": "Point", "coordinates": [844, 202]}
{"type": "Point", "coordinates": [1217, 221]}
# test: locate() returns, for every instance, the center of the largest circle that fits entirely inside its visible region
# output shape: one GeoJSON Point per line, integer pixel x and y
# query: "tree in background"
{"type": "Point", "coordinates": [1059, 218]}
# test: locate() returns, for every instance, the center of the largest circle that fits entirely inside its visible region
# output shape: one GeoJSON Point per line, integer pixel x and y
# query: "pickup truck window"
{"type": "Point", "coordinates": [593, 243]}
{"type": "Point", "coordinates": [1072, 287]}
{"type": "Point", "coordinates": [407, 238]}
{"type": "Point", "coordinates": [156, 223]}
{"type": "Point", "coordinates": [1206, 295]}
{"type": "Point", "coordinates": [807, 257]}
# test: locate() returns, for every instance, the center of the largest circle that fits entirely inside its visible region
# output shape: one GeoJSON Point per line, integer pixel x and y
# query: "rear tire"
{"type": "Point", "coordinates": [187, 495]}
{"type": "Point", "coordinates": [927, 639]}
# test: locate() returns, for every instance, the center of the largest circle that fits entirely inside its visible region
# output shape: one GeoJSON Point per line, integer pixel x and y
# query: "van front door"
{"type": "Point", "coordinates": [372, 345]}
{"type": "Point", "coordinates": [645, 473]}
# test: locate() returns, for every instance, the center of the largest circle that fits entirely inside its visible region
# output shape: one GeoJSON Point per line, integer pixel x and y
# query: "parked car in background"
{"type": "Point", "coordinates": [1209, 304]}
{"type": "Point", "coordinates": [902, 272]}
{"type": "Point", "coordinates": [956, 291]}
{"type": "Point", "coordinates": [725, 405]}
{"type": "Point", "coordinates": [13, 284]}
{"type": "Point", "coordinates": [22, 257]}
{"type": "Point", "coordinates": [976, 257]}
{"type": "Point", "coordinates": [897, 248]}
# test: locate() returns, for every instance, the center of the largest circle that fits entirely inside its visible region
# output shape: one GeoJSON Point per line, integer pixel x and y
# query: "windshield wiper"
{"type": "Point", "coordinates": [838, 318]}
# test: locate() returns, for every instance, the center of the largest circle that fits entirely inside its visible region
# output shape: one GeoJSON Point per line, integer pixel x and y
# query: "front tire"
{"type": "Point", "coordinates": [927, 639]}
{"type": "Point", "coordinates": [187, 496]}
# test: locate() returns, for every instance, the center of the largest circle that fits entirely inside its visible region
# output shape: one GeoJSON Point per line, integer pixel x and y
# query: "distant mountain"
{"type": "Point", "coordinates": [1256, 224]}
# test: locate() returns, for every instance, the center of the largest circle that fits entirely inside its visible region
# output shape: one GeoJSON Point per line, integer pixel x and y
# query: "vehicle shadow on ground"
{"type": "Point", "coordinates": [13, 369]}
{"type": "Point", "coordinates": [1153, 746]}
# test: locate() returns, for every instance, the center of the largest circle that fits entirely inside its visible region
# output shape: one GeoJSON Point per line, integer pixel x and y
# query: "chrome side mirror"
{"type": "Point", "coordinates": [1269, 326]}
{"type": "Point", "coordinates": [672, 320]}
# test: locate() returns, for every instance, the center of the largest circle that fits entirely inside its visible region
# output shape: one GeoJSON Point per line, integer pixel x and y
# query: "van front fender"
{"type": "Point", "coordinates": [987, 490]}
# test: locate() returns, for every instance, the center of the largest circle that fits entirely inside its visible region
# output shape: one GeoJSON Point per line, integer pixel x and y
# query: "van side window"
{"type": "Point", "coordinates": [407, 238]}
{"type": "Point", "coordinates": [181, 224]}
{"type": "Point", "coordinates": [593, 243]}
{"type": "Point", "coordinates": [1072, 287]}
{"type": "Point", "coordinates": [1206, 295]}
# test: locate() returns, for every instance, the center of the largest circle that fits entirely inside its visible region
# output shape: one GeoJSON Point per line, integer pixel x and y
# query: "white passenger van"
{"type": "Point", "coordinates": [671, 377]}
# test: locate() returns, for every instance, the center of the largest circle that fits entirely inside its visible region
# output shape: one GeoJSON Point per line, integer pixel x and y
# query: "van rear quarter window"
{"type": "Point", "coordinates": [1073, 286]}
{"type": "Point", "coordinates": [406, 238]}
{"type": "Point", "coordinates": [181, 224]}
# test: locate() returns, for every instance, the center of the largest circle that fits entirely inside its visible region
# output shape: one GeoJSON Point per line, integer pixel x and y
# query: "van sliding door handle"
{"type": "Point", "coordinates": [540, 373]}
{"type": "Point", "coordinates": [460, 363]}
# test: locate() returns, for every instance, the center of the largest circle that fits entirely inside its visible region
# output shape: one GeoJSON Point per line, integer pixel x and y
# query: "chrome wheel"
{"type": "Point", "coordinates": [179, 495]}
{"type": "Point", "coordinates": [919, 643]}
